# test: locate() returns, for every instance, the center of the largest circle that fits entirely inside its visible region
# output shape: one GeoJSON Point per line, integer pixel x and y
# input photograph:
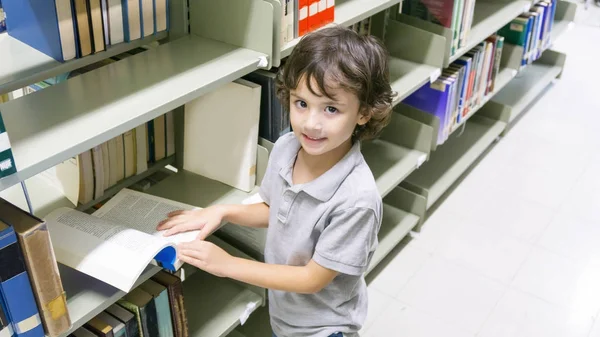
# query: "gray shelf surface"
{"type": "Point", "coordinates": [203, 193]}
{"type": "Point", "coordinates": [347, 13]}
{"type": "Point", "coordinates": [406, 76]}
{"type": "Point", "coordinates": [214, 305]}
{"type": "Point", "coordinates": [454, 157]}
{"type": "Point", "coordinates": [390, 163]}
{"type": "Point", "coordinates": [504, 76]}
{"type": "Point", "coordinates": [59, 122]}
{"type": "Point", "coordinates": [488, 18]}
{"type": "Point", "coordinates": [23, 65]}
{"type": "Point", "coordinates": [395, 225]}
{"type": "Point", "coordinates": [524, 88]}
{"type": "Point", "coordinates": [87, 296]}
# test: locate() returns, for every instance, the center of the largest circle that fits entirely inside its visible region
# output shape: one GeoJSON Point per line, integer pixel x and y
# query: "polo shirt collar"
{"type": "Point", "coordinates": [327, 184]}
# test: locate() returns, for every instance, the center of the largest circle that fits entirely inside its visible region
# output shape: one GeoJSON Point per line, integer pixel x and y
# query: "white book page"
{"type": "Point", "coordinates": [143, 212]}
{"type": "Point", "coordinates": [102, 249]}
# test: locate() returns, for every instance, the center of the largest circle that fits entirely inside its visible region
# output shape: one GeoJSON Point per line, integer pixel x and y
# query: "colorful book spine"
{"type": "Point", "coordinates": [7, 161]}
{"type": "Point", "coordinates": [17, 296]}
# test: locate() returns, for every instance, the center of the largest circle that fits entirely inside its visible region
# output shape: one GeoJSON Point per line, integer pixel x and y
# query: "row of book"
{"type": "Point", "coordinates": [461, 87]}
{"type": "Point", "coordinates": [363, 27]}
{"type": "Point", "coordinates": [153, 309]}
{"type": "Point", "coordinates": [456, 15]}
{"type": "Point", "coordinates": [299, 17]}
{"type": "Point", "coordinates": [32, 299]}
{"type": "Point", "coordinates": [70, 29]}
{"type": "Point", "coordinates": [531, 30]}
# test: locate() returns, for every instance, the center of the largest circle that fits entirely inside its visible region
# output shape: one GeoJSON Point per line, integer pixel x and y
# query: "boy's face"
{"type": "Point", "coordinates": [320, 123]}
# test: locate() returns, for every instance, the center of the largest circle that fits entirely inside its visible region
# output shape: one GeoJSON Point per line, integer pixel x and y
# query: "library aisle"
{"type": "Point", "coordinates": [514, 249]}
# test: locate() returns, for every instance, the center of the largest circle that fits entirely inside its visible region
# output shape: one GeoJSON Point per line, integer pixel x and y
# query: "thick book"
{"type": "Point", "coordinates": [99, 327]}
{"type": "Point", "coordinates": [118, 327]}
{"type": "Point", "coordinates": [175, 290]}
{"type": "Point", "coordinates": [126, 317]}
{"type": "Point", "coordinates": [163, 309]}
{"type": "Point", "coordinates": [202, 140]}
{"type": "Point", "coordinates": [34, 239]}
{"type": "Point", "coordinates": [45, 25]}
{"type": "Point", "coordinates": [117, 242]}
{"type": "Point", "coordinates": [433, 98]}
{"type": "Point", "coordinates": [142, 305]}
{"type": "Point", "coordinates": [15, 289]}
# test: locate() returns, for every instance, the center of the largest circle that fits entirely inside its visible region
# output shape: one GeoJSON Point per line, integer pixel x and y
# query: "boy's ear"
{"type": "Point", "coordinates": [364, 117]}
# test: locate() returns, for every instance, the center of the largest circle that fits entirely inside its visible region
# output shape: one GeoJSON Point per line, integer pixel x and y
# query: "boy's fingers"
{"type": "Point", "coordinates": [174, 213]}
{"type": "Point", "coordinates": [183, 227]}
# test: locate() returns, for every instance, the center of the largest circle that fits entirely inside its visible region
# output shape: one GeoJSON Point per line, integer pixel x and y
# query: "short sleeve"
{"type": "Point", "coordinates": [266, 185]}
{"type": "Point", "coordinates": [347, 241]}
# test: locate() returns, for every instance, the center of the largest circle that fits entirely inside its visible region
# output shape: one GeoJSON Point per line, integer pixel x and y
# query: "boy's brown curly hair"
{"type": "Point", "coordinates": [356, 63]}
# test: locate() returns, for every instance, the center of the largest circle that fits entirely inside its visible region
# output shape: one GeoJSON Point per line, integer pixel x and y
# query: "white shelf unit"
{"type": "Point", "coordinates": [215, 306]}
{"type": "Point", "coordinates": [59, 122]}
{"type": "Point", "coordinates": [528, 85]}
{"type": "Point", "coordinates": [103, 103]}
{"type": "Point", "coordinates": [488, 17]}
{"type": "Point", "coordinates": [452, 159]}
{"type": "Point", "coordinates": [23, 65]}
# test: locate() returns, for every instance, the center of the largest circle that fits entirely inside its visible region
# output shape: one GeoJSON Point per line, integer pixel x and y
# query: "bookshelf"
{"type": "Point", "coordinates": [453, 158]}
{"type": "Point", "coordinates": [347, 13]}
{"type": "Point", "coordinates": [226, 40]}
{"type": "Point", "coordinates": [22, 65]}
{"type": "Point", "coordinates": [87, 297]}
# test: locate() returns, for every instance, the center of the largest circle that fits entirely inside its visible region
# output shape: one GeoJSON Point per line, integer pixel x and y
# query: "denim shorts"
{"type": "Point", "coordinates": [337, 334]}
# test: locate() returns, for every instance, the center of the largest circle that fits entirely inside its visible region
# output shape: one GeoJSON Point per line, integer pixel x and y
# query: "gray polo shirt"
{"type": "Point", "coordinates": [334, 220]}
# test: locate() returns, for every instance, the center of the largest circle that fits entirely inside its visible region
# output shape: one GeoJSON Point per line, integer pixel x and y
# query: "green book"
{"type": "Point", "coordinates": [163, 309]}
{"type": "Point", "coordinates": [7, 161]}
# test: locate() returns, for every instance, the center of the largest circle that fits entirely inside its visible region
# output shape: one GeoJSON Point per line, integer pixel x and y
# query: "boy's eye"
{"type": "Point", "coordinates": [301, 104]}
{"type": "Point", "coordinates": [331, 109]}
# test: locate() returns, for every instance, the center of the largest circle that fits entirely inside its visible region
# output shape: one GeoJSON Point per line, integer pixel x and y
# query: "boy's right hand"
{"type": "Point", "coordinates": [207, 220]}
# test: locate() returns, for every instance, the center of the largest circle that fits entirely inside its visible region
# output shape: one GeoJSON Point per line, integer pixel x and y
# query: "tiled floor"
{"type": "Point", "coordinates": [515, 249]}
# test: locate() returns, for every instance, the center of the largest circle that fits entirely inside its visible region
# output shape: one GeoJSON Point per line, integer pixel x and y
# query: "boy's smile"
{"type": "Point", "coordinates": [324, 125]}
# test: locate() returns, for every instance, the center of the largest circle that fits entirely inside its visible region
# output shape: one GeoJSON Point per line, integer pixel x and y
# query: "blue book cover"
{"type": "Point", "coordinates": [432, 98]}
{"type": "Point", "coordinates": [132, 7]}
{"type": "Point", "coordinates": [15, 288]}
{"type": "Point", "coordinates": [6, 329]}
{"type": "Point", "coordinates": [35, 23]}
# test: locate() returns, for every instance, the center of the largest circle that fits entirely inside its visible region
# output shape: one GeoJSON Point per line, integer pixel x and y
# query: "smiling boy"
{"type": "Point", "coordinates": [321, 204]}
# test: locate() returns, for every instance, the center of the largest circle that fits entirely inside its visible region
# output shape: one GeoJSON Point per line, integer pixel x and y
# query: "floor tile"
{"type": "Point", "coordinates": [399, 319]}
{"type": "Point", "coordinates": [399, 270]}
{"type": "Point", "coordinates": [572, 236]}
{"type": "Point", "coordinates": [560, 280]}
{"type": "Point", "coordinates": [455, 293]}
{"type": "Point", "coordinates": [519, 314]}
{"type": "Point", "coordinates": [491, 253]}
{"type": "Point", "coordinates": [378, 302]}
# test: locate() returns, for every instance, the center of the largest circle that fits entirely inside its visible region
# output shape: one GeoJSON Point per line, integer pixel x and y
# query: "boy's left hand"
{"type": "Point", "coordinates": [206, 256]}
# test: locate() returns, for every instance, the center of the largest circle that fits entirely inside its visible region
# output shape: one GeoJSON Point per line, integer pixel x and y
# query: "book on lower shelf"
{"type": "Point", "coordinates": [7, 160]}
{"type": "Point", "coordinates": [531, 31]}
{"type": "Point", "coordinates": [462, 87]}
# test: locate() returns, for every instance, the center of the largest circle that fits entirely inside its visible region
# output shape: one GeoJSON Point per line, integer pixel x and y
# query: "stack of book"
{"type": "Point", "coordinates": [153, 309]}
{"type": "Point", "coordinates": [302, 16]}
{"type": "Point", "coordinates": [531, 31]}
{"type": "Point", "coordinates": [461, 88]}
{"type": "Point", "coordinates": [65, 29]}
{"type": "Point", "coordinates": [362, 27]}
{"type": "Point", "coordinates": [456, 15]}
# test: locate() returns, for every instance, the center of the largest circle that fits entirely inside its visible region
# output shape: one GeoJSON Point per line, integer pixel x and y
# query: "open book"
{"type": "Point", "coordinates": [119, 240]}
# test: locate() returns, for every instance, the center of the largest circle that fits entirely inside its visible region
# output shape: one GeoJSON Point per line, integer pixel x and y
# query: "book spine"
{"type": "Point", "coordinates": [15, 288]}
{"type": "Point", "coordinates": [45, 279]}
{"type": "Point", "coordinates": [302, 17]}
{"type": "Point", "coordinates": [7, 161]}
{"type": "Point", "coordinates": [330, 11]}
